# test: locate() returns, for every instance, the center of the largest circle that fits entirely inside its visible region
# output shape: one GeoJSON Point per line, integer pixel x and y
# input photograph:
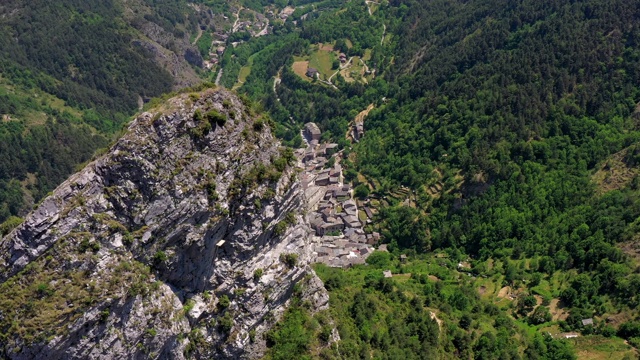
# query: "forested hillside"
{"type": "Point", "coordinates": [72, 73]}
{"type": "Point", "coordinates": [510, 125]}
{"type": "Point", "coordinates": [500, 151]}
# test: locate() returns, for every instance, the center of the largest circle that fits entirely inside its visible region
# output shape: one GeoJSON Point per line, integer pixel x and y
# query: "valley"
{"type": "Point", "coordinates": [319, 179]}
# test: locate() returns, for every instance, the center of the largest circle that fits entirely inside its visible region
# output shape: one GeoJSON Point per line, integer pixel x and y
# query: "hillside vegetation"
{"type": "Point", "coordinates": [73, 72]}
{"type": "Point", "coordinates": [496, 117]}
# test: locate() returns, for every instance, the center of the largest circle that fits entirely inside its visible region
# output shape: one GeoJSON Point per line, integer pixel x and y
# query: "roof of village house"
{"type": "Point", "coordinates": [310, 126]}
{"type": "Point", "coordinates": [387, 273]}
{"type": "Point", "coordinates": [359, 238]}
{"type": "Point", "coordinates": [588, 321]}
{"type": "Point", "coordinates": [330, 225]}
{"type": "Point", "coordinates": [351, 220]}
{"type": "Point", "coordinates": [351, 211]}
{"type": "Point", "coordinates": [349, 232]}
{"type": "Point", "coordinates": [368, 212]}
{"type": "Point", "coordinates": [349, 203]}
{"type": "Point", "coordinates": [311, 72]}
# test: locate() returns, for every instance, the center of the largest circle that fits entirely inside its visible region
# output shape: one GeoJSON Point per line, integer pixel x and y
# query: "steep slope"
{"type": "Point", "coordinates": [71, 63]}
{"type": "Point", "coordinates": [100, 54]}
{"type": "Point", "coordinates": [185, 238]}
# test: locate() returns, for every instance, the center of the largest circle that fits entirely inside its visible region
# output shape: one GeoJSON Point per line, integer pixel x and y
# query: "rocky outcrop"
{"type": "Point", "coordinates": [186, 239]}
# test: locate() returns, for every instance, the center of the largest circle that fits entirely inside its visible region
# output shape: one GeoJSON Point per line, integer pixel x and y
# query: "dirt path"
{"type": "Point", "coordinates": [276, 82]}
{"type": "Point", "coordinates": [366, 68]}
{"type": "Point", "coordinates": [363, 114]}
{"type": "Point", "coordinates": [384, 31]}
{"type": "Point", "coordinates": [435, 317]}
{"type": "Point", "coordinates": [367, 2]}
{"type": "Point", "coordinates": [235, 24]}
{"type": "Point", "coordinates": [342, 67]}
{"type": "Point", "coordinates": [197, 37]}
{"type": "Point", "coordinates": [218, 77]}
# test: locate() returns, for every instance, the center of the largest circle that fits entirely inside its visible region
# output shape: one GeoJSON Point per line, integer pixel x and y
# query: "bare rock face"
{"type": "Point", "coordinates": [186, 239]}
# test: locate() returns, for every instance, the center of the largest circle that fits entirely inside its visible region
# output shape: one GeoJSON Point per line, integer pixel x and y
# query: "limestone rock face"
{"type": "Point", "coordinates": [184, 239]}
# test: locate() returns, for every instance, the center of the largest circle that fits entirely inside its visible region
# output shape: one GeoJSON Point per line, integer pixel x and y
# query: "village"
{"type": "Point", "coordinates": [336, 217]}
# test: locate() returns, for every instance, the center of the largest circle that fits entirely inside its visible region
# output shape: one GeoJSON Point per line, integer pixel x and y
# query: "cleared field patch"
{"type": "Point", "coordinates": [558, 310]}
{"type": "Point", "coordinates": [487, 288]}
{"type": "Point", "coordinates": [322, 61]}
{"type": "Point", "coordinates": [597, 347]}
{"type": "Point", "coordinates": [300, 68]}
{"type": "Point", "coordinates": [355, 72]}
{"type": "Point", "coordinates": [367, 55]}
{"type": "Point", "coordinates": [245, 71]}
{"type": "Point", "coordinates": [402, 277]}
{"type": "Point", "coordinates": [349, 43]}
{"type": "Point", "coordinates": [325, 47]}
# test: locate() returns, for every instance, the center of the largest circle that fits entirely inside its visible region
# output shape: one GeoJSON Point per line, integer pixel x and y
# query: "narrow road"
{"type": "Point", "coordinates": [342, 67]}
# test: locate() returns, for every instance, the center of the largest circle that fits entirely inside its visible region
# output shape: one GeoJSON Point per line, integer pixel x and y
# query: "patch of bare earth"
{"type": "Point", "coordinates": [558, 310]}
{"type": "Point", "coordinates": [300, 68]}
{"type": "Point", "coordinates": [326, 47]}
{"type": "Point", "coordinates": [632, 248]}
{"type": "Point", "coordinates": [504, 292]}
{"type": "Point", "coordinates": [614, 174]}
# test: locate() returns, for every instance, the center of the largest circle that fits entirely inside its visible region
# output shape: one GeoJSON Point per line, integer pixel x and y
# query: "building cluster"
{"type": "Point", "coordinates": [332, 212]}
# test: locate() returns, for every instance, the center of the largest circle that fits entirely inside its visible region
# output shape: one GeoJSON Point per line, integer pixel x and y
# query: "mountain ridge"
{"type": "Point", "coordinates": [140, 231]}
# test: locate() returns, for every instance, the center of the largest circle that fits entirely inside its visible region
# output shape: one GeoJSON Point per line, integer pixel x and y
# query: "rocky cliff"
{"type": "Point", "coordinates": [186, 239]}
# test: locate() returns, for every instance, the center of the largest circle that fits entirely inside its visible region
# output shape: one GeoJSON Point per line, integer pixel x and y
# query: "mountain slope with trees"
{"type": "Point", "coordinates": [495, 115]}
{"type": "Point", "coordinates": [73, 72]}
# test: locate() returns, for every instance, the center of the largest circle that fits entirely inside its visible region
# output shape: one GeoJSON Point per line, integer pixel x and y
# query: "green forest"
{"type": "Point", "coordinates": [513, 126]}
{"type": "Point", "coordinates": [71, 75]}
{"type": "Point", "coordinates": [511, 110]}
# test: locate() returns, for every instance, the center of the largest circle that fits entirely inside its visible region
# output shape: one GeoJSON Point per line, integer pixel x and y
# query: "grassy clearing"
{"type": "Point", "coordinates": [245, 71]}
{"type": "Point", "coordinates": [367, 55]}
{"type": "Point", "coordinates": [355, 72]}
{"type": "Point", "coordinates": [35, 99]}
{"type": "Point", "coordinates": [349, 43]}
{"type": "Point", "coordinates": [597, 347]}
{"type": "Point", "coordinates": [322, 61]}
{"type": "Point", "coordinates": [300, 67]}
